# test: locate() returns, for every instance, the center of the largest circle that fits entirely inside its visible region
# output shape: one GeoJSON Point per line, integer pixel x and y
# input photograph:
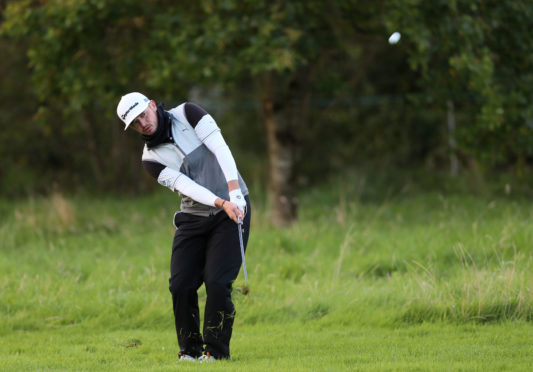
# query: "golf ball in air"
{"type": "Point", "coordinates": [394, 38]}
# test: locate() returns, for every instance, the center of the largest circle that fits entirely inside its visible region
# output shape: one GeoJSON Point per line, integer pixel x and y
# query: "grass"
{"type": "Point", "coordinates": [283, 347]}
{"type": "Point", "coordinates": [410, 281]}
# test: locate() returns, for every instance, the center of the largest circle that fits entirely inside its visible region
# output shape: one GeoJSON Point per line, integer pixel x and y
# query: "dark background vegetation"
{"type": "Point", "coordinates": [310, 84]}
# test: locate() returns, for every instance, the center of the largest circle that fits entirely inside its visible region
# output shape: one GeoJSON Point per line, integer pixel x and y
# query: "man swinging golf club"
{"type": "Point", "coordinates": [184, 150]}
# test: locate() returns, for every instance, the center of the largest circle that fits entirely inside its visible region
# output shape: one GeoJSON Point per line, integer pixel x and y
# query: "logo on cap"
{"type": "Point", "coordinates": [128, 110]}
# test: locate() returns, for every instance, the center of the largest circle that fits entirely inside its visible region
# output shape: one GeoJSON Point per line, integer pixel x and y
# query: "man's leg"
{"type": "Point", "coordinates": [186, 271]}
{"type": "Point", "coordinates": [223, 261]}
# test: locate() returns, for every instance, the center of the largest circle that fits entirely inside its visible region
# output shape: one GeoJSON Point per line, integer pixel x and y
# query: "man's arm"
{"type": "Point", "coordinates": [177, 181]}
{"type": "Point", "coordinates": [209, 133]}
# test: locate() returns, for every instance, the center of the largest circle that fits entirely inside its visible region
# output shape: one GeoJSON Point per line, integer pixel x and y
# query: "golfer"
{"type": "Point", "coordinates": [184, 150]}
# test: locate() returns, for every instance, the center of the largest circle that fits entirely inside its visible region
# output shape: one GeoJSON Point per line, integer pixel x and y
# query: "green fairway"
{"type": "Point", "coordinates": [410, 282]}
{"type": "Point", "coordinates": [290, 347]}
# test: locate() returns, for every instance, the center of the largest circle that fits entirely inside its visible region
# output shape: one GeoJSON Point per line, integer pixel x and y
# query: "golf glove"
{"type": "Point", "coordinates": [236, 197]}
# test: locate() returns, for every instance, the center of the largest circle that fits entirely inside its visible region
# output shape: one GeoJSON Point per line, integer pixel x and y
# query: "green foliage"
{"type": "Point", "coordinates": [477, 54]}
{"type": "Point", "coordinates": [84, 54]}
{"type": "Point", "coordinates": [231, 39]}
{"type": "Point", "coordinates": [370, 104]}
{"type": "Point", "coordinates": [70, 55]}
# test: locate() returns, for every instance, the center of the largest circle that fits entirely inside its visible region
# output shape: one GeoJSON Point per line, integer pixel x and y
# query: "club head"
{"type": "Point", "coordinates": [244, 289]}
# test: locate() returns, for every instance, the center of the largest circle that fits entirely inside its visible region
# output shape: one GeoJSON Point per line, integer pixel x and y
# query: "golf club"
{"type": "Point", "coordinates": [242, 251]}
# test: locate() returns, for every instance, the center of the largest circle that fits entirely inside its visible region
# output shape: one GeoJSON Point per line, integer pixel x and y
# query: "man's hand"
{"type": "Point", "coordinates": [236, 197]}
{"type": "Point", "coordinates": [231, 210]}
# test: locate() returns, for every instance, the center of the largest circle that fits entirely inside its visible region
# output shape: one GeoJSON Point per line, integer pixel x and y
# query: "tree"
{"type": "Point", "coordinates": [85, 53]}
{"type": "Point", "coordinates": [478, 55]}
{"type": "Point", "coordinates": [278, 44]}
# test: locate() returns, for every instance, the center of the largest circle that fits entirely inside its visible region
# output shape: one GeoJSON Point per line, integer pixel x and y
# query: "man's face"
{"type": "Point", "coordinates": [146, 122]}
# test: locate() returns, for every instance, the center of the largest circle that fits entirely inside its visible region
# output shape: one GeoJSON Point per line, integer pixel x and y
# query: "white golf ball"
{"type": "Point", "coordinates": [394, 38]}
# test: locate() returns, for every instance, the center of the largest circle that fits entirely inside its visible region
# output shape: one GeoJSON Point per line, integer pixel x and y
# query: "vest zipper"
{"type": "Point", "coordinates": [173, 137]}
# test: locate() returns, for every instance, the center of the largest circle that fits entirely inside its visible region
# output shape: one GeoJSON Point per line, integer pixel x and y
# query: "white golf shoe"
{"type": "Point", "coordinates": [207, 358]}
{"type": "Point", "coordinates": [186, 358]}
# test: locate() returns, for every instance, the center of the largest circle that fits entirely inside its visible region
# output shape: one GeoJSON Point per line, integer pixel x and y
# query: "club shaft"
{"type": "Point", "coordinates": [242, 253]}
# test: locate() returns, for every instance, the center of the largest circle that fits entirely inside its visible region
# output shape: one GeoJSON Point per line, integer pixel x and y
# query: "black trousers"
{"type": "Point", "coordinates": [205, 250]}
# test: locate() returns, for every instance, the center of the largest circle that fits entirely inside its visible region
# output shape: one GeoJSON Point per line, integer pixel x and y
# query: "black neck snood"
{"type": "Point", "coordinates": [162, 133]}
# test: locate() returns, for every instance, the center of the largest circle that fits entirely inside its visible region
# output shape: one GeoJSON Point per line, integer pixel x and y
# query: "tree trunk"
{"type": "Point", "coordinates": [454, 163]}
{"type": "Point", "coordinates": [88, 124]}
{"type": "Point", "coordinates": [284, 108]}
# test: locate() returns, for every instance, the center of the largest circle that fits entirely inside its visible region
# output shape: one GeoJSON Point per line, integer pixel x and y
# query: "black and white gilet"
{"type": "Point", "coordinates": [184, 153]}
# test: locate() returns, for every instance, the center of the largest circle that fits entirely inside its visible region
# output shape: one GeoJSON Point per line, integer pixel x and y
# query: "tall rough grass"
{"type": "Point", "coordinates": [474, 291]}
{"type": "Point", "coordinates": [103, 263]}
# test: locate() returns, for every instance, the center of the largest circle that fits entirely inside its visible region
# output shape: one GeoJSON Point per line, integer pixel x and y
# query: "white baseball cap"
{"type": "Point", "coordinates": [130, 106]}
